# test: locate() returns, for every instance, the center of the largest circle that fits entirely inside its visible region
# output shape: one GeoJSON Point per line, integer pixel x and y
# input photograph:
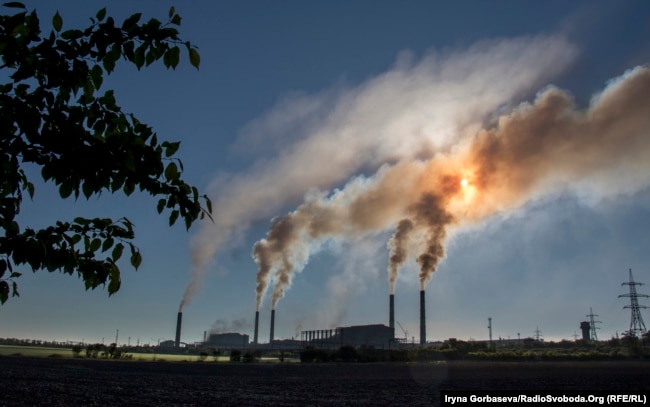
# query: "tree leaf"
{"type": "Point", "coordinates": [65, 190]}
{"type": "Point", "coordinates": [81, 221]}
{"type": "Point", "coordinates": [161, 205]}
{"type": "Point", "coordinates": [171, 148]}
{"type": "Point", "coordinates": [3, 267]}
{"type": "Point", "coordinates": [117, 252]}
{"type": "Point", "coordinates": [136, 260]}
{"type": "Point", "coordinates": [171, 172]}
{"type": "Point", "coordinates": [208, 203]}
{"type": "Point", "coordinates": [172, 10]}
{"type": "Point", "coordinates": [173, 217]}
{"type": "Point", "coordinates": [14, 4]}
{"type": "Point", "coordinates": [57, 22]}
{"type": "Point", "coordinates": [95, 245]}
{"type": "Point", "coordinates": [176, 20]}
{"type": "Point", "coordinates": [87, 189]}
{"type": "Point", "coordinates": [195, 58]}
{"type": "Point", "coordinates": [129, 187]}
{"type": "Point", "coordinates": [114, 279]}
{"type": "Point", "coordinates": [130, 22]}
{"type": "Point", "coordinates": [139, 55]}
{"type": "Point", "coordinates": [128, 50]}
{"type": "Point", "coordinates": [4, 291]}
{"type": "Point", "coordinates": [108, 243]}
{"type": "Point", "coordinates": [150, 56]}
{"type": "Point", "coordinates": [101, 14]}
{"type": "Point", "coordinates": [175, 56]}
{"type": "Point", "coordinates": [30, 189]}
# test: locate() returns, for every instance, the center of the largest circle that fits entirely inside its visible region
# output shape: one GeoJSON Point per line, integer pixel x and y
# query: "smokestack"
{"type": "Point", "coordinates": [272, 326]}
{"type": "Point", "coordinates": [423, 322]}
{"type": "Point", "coordinates": [178, 329]}
{"type": "Point", "coordinates": [391, 313]}
{"type": "Point", "coordinates": [257, 321]}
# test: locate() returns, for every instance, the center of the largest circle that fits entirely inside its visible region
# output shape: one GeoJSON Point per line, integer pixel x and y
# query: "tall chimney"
{"type": "Point", "coordinates": [272, 326]}
{"type": "Point", "coordinates": [257, 322]}
{"type": "Point", "coordinates": [179, 320]}
{"type": "Point", "coordinates": [391, 313]}
{"type": "Point", "coordinates": [423, 322]}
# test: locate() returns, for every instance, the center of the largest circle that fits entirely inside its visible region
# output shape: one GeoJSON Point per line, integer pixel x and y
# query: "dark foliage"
{"type": "Point", "coordinates": [54, 117]}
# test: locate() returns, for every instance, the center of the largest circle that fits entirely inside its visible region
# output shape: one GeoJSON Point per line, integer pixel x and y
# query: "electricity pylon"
{"type": "Point", "coordinates": [637, 327]}
{"type": "Point", "coordinates": [593, 323]}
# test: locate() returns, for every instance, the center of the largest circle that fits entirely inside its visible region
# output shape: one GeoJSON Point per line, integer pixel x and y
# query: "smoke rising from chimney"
{"type": "Point", "coordinates": [536, 149]}
{"type": "Point", "coordinates": [398, 251]}
{"type": "Point", "coordinates": [221, 326]}
{"type": "Point", "coordinates": [410, 112]}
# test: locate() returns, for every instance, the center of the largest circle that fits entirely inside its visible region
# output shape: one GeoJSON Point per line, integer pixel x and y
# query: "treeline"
{"type": "Point", "coordinates": [34, 342]}
{"type": "Point", "coordinates": [615, 349]}
{"type": "Point", "coordinates": [99, 350]}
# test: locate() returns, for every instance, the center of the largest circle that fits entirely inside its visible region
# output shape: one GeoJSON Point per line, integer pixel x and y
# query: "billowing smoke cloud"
{"type": "Point", "coordinates": [535, 150]}
{"type": "Point", "coordinates": [410, 112]}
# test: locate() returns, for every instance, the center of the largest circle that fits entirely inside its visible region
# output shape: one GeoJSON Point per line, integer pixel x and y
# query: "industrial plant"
{"type": "Point", "coordinates": [381, 336]}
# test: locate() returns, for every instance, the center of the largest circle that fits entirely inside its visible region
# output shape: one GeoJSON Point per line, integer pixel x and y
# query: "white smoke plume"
{"type": "Point", "coordinates": [228, 326]}
{"type": "Point", "coordinates": [410, 112]}
{"type": "Point", "coordinates": [529, 152]}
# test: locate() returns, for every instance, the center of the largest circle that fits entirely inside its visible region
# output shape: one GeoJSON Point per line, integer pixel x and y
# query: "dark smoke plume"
{"type": "Point", "coordinates": [398, 250]}
{"type": "Point", "coordinates": [431, 215]}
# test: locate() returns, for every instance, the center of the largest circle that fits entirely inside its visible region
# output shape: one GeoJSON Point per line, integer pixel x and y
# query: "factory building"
{"type": "Point", "coordinates": [377, 335]}
{"type": "Point", "coordinates": [228, 340]}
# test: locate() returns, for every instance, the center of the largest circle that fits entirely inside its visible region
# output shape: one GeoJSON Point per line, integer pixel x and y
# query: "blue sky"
{"type": "Point", "coordinates": [296, 99]}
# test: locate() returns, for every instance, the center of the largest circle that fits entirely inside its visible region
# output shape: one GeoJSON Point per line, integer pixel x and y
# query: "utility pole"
{"type": "Point", "coordinates": [490, 330]}
{"type": "Point", "coordinates": [637, 327]}
{"type": "Point", "coordinates": [593, 323]}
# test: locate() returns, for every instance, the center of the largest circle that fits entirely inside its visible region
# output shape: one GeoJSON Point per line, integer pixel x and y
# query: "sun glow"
{"type": "Point", "coordinates": [464, 182]}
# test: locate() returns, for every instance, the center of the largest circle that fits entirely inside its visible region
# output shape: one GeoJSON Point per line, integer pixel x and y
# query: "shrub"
{"type": "Point", "coordinates": [252, 356]}
{"type": "Point", "coordinates": [347, 354]}
{"type": "Point", "coordinates": [235, 355]}
{"type": "Point", "coordinates": [310, 354]}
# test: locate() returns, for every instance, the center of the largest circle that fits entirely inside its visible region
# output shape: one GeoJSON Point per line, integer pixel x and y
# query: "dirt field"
{"type": "Point", "coordinates": [66, 382]}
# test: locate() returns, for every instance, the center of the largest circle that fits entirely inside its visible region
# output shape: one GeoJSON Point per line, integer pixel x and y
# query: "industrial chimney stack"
{"type": "Point", "coordinates": [179, 320]}
{"type": "Point", "coordinates": [272, 326]}
{"type": "Point", "coordinates": [257, 322]}
{"type": "Point", "coordinates": [391, 313]}
{"type": "Point", "coordinates": [423, 322]}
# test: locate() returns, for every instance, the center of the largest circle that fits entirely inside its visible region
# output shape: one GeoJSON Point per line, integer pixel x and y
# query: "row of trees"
{"type": "Point", "coordinates": [99, 350]}
{"type": "Point", "coordinates": [627, 347]}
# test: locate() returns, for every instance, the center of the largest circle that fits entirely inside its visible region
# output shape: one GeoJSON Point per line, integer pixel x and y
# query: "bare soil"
{"type": "Point", "coordinates": [81, 382]}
